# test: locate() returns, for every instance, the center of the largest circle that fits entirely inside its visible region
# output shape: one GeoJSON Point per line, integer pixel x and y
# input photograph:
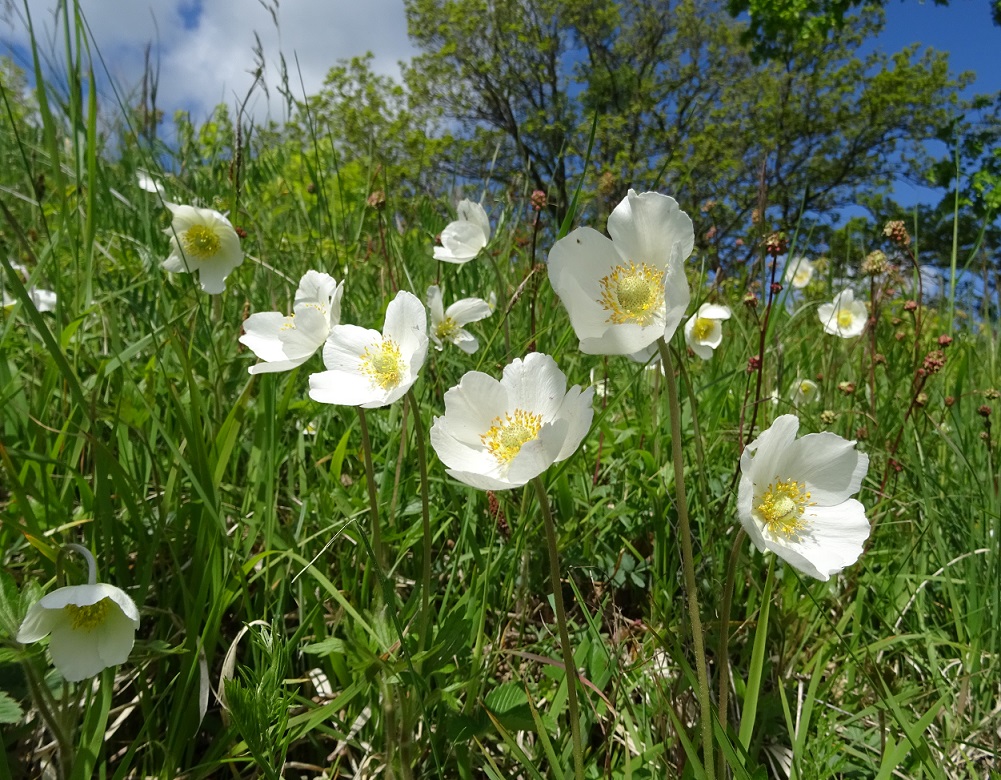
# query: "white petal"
{"type": "Point", "coordinates": [481, 481]}
{"type": "Point", "coordinates": [830, 466]}
{"type": "Point", "coordinates": [646, 227]}
{"type": "Point", "coordinates": [175, 262]}
{"type": "Point", "coordinates": [714, 311]}
{"type": "Point", "coordinates": [763, 458]}
{"type": "Point", "coordinates": [578, 410]}
{"type": "Point", "coordinates": [38, 623]}
{"type": "Point", "coordinates": [435, 305]}
{"type": "Point", "coordinates": [469, 310]}
{"type": "Point", "coordinates": [344, 388]}
{"type": "Point", "coordinates": [466, 341]}
{"type": "Point", "coordinates": [535, 384]}
{"type": "Point", "coordinates": [310, 331]}
{"type": "Point", "coordinates": [577, 263]}
{"type": "Point", "coordinates": [471, 407]}
{"type": "Point", "coordinates": [460, 242]}
{"type": "Point", "coordinates": [261, 335]}
{"type": "Point", "coordinates": [537, 455]}
{"type": "Point", "coordinates": [473, 212]}
{"type": "Point", "coordinates": [345, 345]}
{"type": "Point", "coordinates": [406, 322]}
{"type": "Point", "coordinates": [834, 540]}
{"type": "Point", "coordinates": [212, 276]}
{"type": "Point", "coordinates": [76, 654]}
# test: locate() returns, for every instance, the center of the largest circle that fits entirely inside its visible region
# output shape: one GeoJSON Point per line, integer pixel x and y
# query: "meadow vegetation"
{"type": "Point", "coordinates": [318, 597]}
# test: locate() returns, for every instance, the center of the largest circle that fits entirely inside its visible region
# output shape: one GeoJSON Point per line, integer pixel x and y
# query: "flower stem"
{"type": "Point", "coordinates": [373, 496]}
{"type": "Point", "coordinates": [688, 559]}
{"type": "Point", "coordinates": [91, 563]}
{"type": "Point", "coordinates": [561, 623]}
{"type": "Point", "coordinates": [422, 464]}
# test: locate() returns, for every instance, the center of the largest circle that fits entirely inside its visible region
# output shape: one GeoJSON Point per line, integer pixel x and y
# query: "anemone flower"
{"type": "Point", "coordinates": [446, 324]}
{"type": "Point", "coordinates": [93, 626]}
{"type": "Point", "coordinates": [202, 240]}
{"type": "Point", "coordinates": [624, 293]}
{"type": "Point", "coordinates": [798, 272]}
{"type": "Point", "coordinates": [804, 391]}
{"type": "Point", "coordinates": [284, 342]}
{"type": "Point", "coordinates": [704, 332]}
{"type": "Point", "coordinates": [845, 317]}
{"type": "Point", "coordinates": [795, 499]}
{"type": "Point", "coordinates": [370, 369]}
{"type": "Point", "coordinates": [497, 435]}
{"type": "Point", "coordinates": [463, 239]}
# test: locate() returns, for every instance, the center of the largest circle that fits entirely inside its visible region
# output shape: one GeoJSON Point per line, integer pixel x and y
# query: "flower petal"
{"type": "Point", "coordinates": [644, 225]}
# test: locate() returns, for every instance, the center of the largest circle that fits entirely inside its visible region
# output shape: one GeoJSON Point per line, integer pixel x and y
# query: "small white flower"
{"type": "Point", "coordinates": [370, 369]}
{"type": "Point", "coordinates": [845, 317]}
{"type": "Point", "coordinates": [93, 627]}
{"type": "Point", "coordinates": [497, 435]}
{"type": "Point", "coordinates": [799, 272]}
{"type": "Point", "coordinates": [794, 497]}
{"type": "Point", "coordinates": [149, 184]}
{"type": "Point", "coordinates": [446, 324]}
{"type": "Point", "coordinates": [804, 391]}
{"type": "Point", "coordinates": [286, 342]}
{"type": "Point", "coordinates": [202, 240]}
{"type": "Point", "coordinates": [43, 300]}
{"type": "Point", "coordinates": [704, 331]}
{"type": "Point", "coordinates": [463, 239]}
{"type": "Point", "coordinates": [625, 293]}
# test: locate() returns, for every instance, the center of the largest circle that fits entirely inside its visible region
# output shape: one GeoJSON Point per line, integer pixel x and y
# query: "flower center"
{"type": "Point", "coordinates": [200, 241]}
{"type": "Point", "coordinates": [507, 434]}
{"type": "Point", "coordinates": [88, 617]}
{"type": "Point", "coordinates": [781, 508]}
{"type": "Point", "coordinates": [447, 329]}
{"type": "Point", "coordinates": [703, 328]}
{"type": "Point", "coordinates": [632, 294]}
{"type": "Point", "coordinates": [845, 318]}
{"type": "Point", "coordinates": [801, 278]}
{"type": "Point", "coordinates": [384, 364]}
{"type": "Point", "coordinates": [289, 322]}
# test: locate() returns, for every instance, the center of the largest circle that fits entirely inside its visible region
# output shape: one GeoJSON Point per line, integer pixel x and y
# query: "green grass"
{"type": "Point", "coordinates": [235, 510]}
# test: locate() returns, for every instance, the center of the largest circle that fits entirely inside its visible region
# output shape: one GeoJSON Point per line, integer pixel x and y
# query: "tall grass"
{"type": "Point", "coordinates": [235, 511]}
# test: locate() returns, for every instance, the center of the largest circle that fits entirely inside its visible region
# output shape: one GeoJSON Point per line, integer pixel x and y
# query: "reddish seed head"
{"type": "Point", "coordinates": [984, 411]}
{"type": "Point", "coordinates": [753, 364]}
{"type": "Point", "coordinates": [944, 341]}
{"type": "Point", "coordinates": [910, 306]}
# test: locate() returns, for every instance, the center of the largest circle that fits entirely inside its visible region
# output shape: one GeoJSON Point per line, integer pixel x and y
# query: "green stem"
{"type": "Point", "coordinates": [723, 653]}
{"type": "Point", "coordinates": [688, 559]}
{"type": "Point", "coordinates": [373, 495]}
{"type": "Point", "coordinates": [422, 464]}
{"type": "Point", "coordinates": [561, 623]}
{"type": "Point", "coordinates": [753, 688]}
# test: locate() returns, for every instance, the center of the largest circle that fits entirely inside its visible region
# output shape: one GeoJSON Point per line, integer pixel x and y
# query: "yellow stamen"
{"type": "Point", "coordinates": [845, 318]}
{"type": "Point", "coordinates": [507, 434]}
{"type": "Point", "coordinates": [200, 241]}
{"type": "Point", "coordinates": [289, 323]}
{"type": "Point", "coordinates": [703, 328]}
{"type": "Point", "coordinates": [447, 329]}
{"type": "Point", "coordinates": [632, 294]}
{"type": "Point", "coordinates": [781, 508]}
{"type": "Point", "coordinates": [88, 617]}
{"type": "Point", "coordinates": [384, 364]}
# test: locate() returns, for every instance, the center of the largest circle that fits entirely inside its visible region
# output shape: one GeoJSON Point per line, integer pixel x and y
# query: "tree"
{"type": "Point", "coordinates": [682, 105]}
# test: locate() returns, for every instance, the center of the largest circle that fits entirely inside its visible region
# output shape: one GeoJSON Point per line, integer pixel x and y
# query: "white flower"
{"type": "Point", "coordinates": [286, 342]}
{"type": "Point", "coordinates": [845, 317]}
{"type": "Point", "coordinates": [625, 293]}
{"type": "Point", "coordinates": [370, 369]}
{"type": "Point", "coordinates": [202, 240]}
{"type": "Point", "coordinates": [463, 239]}
{"type": "Point", "coordinates": [703, 332]}
{"type": "Point", "coordinates": [804, 391]}
{"type": "Point", "coordinates": [499, 435]}
{"type": "Point", "coordinates": [794, 497]}
{"type": "Point", "coordinates": [799, 272]}
{"type": "Point", "coordinates": [148, 183]}
{"type": "Point", "coordinates": [446, 324]}
{"type": "Point", "coordinates": [93, 627]}
{"type": "Point", "coordinates": [43, 300]}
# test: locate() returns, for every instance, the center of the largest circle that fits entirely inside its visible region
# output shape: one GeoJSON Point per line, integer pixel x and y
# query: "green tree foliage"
{"type": "Point", "coordinates": [682, 105]}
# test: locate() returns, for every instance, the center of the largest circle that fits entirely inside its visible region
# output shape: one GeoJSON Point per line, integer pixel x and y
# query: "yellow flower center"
{"type": "Point", "coordinates": [200, 241]}
{"type": "Point", "coordinates": [781, 508]}
{"type": "Point", "coordinates": [632, 294]}
{"type": "Point", "coordinates": [88, 617]}
{"type": "Point", "coordinates": [703, 328]}
{"type": "Point", "coordinates": [289, 323]}
{"type": "Point", "coordinates": [384, 364]}
{"type": "Point", "coordinates": [801, 278]}
{"type": "Point", "coordinates": [507, 434]}
{"type": "Point", "coordinates": [845, 318]}
{"type": "Point", "coordinates": [447, 329]}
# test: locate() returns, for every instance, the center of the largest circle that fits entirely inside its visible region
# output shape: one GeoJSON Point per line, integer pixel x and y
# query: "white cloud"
{"type": "Point", "coordinates": [212, 62]}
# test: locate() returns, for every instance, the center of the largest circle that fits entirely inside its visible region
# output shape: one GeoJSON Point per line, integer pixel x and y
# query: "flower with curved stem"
{"type": "Point", "coordinates": [284, 342]}
{"type": "Point", "coordinates": [446, 324]}
{"type": "Point", "coordinates": [92, 626]}
{"type": "Point", "coordinates": [845, 317]}
{"type": "Point", "coordinates": [463, 239]}
{"type": "Point", "coordinates": [704, 332]}
{"type": "Point", "coordinates": [497, 435]}
{"type": "Point", "coordinates": [202, 240]}
{"type": "Point", "coordinates": [804, 391]}
{"type": "Point", "coordinates": [624, 293]}
{"type": "Point", "coordinates": [370, 369]}
{"type": "Point", "coordinates": [798, 272]}
{"type": "Point", "coordinates": [795, 499]}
